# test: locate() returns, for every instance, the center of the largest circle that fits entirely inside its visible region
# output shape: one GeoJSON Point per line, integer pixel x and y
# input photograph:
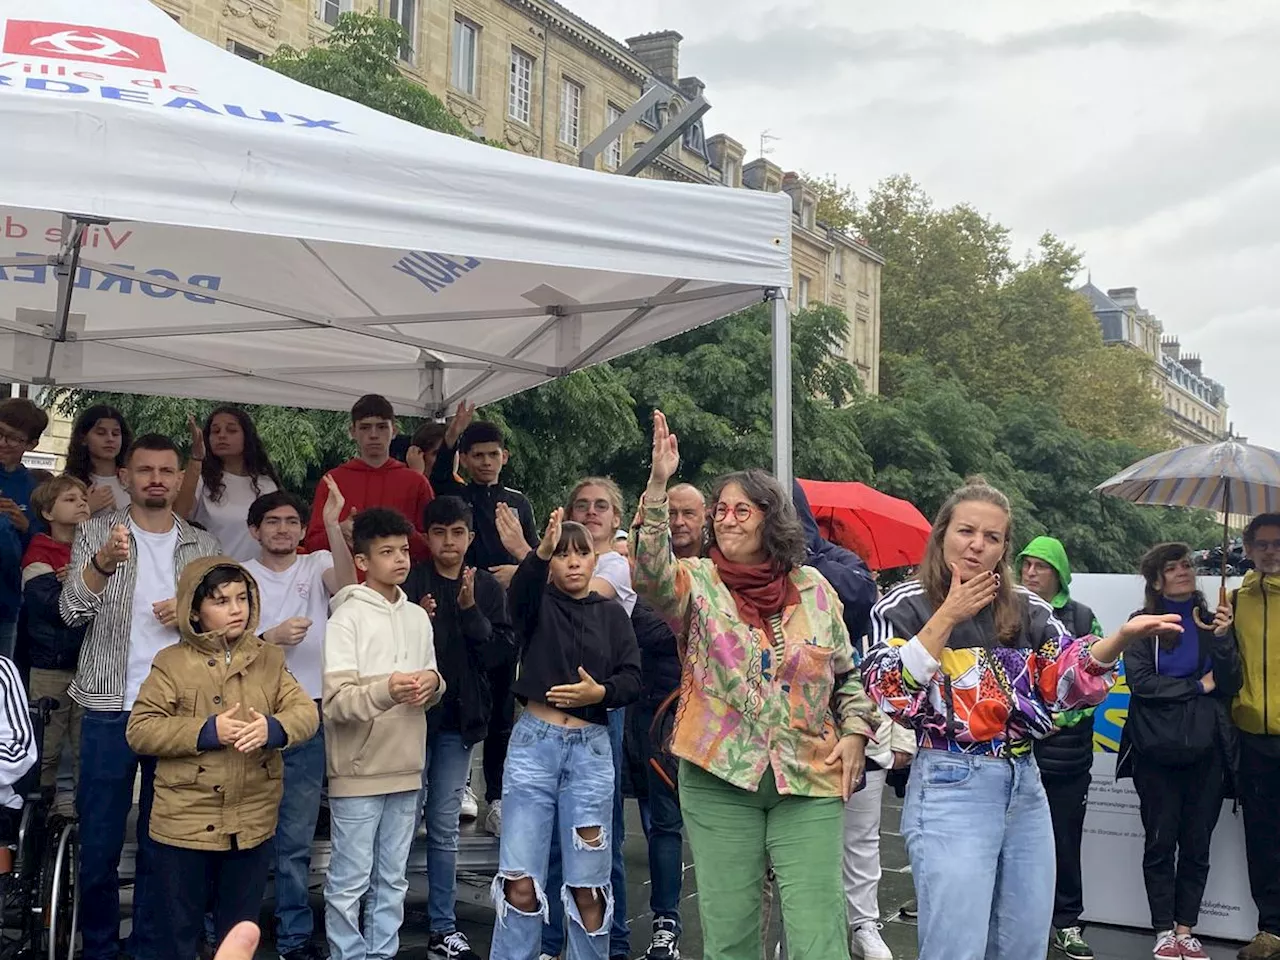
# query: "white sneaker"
{"type": "Point", "coordinates": [547, 956]}
{"type": "Point", "coordinates": [868, 944]}
{"type": "Point", "coordinates": [493, 820]}
{"type": "Point", "coordinates": [470, 807]}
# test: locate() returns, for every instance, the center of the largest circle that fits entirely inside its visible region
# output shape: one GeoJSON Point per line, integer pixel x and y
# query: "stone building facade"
{"type": "Point", "coordinates": [1196, 404]}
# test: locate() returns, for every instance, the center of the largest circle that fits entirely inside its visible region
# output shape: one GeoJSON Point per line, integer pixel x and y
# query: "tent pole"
{"type": "Point", "coordinates": [782, 468]}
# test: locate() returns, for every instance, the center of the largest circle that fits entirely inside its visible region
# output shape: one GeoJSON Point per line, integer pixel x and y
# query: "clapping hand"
{"type": "Point", "coordinates": [116, 550]}
{"type": "Point", "coordinates": [253, 735]}
{"type": "Point", "coordinates": [334, 502]}
{"type": "Point", "coordinates": [428, 603]}
{"type": "Point", "coordinates": [228, 726]}
{"type": "Point", "coordinates": [509, 531]}
{"type": "Point", "coordinates": [467, 592]}
{"type": "Point", "coordinates": [415, 460]}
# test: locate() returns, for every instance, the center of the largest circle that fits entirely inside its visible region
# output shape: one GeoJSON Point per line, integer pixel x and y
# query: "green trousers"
{"type": "Point", "coordinates": [731, 831]}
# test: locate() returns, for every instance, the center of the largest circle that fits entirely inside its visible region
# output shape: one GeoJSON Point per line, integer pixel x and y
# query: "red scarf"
{"type": "Point", "coordinates": [760, 590]}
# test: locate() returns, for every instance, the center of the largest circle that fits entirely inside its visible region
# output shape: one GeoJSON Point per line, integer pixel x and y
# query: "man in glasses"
{"type": "Point", "coordinates": [1257, 713]}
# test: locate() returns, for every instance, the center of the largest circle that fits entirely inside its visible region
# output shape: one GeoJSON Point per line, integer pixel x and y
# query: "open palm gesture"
{"type": "Point", "coordinates": [666, 452]}
{"type": "Point", "coordinates": [551, 536]}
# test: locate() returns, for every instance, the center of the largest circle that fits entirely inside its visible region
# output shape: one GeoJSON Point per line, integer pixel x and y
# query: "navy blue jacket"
{"type": "Point", "coordinates": [843, 569]}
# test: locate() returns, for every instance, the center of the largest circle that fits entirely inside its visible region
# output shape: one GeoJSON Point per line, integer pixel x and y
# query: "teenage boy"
{"type": "Point", "coordinates": [380, 677]}
{"type": "Point", "coordinates": [1066, 758]}
{"type": "Point", "coordinates": [472, 634]}
{"type": "Point", "coordinates": [482, 451]}
{"type": "Point", "coordinates": [21, 424]}
{"type": "Point", "coordinates": [295, 590]}
{"type": "Point", "coordinates": [122, 583]}
{"type": "Point", "coordinates": [1256, 712]}
{"type": "Point", "coordinates": [373, 479]}
{"type": "Point", "coordinates": [52, 647]}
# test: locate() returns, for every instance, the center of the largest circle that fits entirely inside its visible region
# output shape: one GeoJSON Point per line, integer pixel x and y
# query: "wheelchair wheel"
{"type": "Point", "coordinates": [59, 893]}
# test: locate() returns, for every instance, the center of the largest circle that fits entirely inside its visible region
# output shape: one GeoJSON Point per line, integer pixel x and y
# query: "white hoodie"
{"type": "Point", "coordinates": [373, 745]}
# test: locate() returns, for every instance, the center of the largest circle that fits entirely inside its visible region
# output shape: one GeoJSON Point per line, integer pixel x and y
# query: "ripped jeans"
{"type": "Point", "coordinates": [554, 775]}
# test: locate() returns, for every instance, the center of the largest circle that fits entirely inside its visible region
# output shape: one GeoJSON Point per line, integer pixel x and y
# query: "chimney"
{"type": "Point", "coordinates": [1193, 363]}
{"type": "Point", "coordinates": [1124, 296]}
{"type": "Point", "coordinates": [1170, 347]}
{"type": "Point", "coordinates": [660, 52]}
{"type": "Point", "coordinates": [691, 88]}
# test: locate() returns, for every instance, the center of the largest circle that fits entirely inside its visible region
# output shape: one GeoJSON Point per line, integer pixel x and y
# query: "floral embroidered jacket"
{"type": "Point", "coordinates": [745, 704]}
{"type": "Point", "coordinates": [982, 698]}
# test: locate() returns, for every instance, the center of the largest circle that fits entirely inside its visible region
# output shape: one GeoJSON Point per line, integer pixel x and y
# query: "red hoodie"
{"type": "Point", "coordinates": [392, 485]}
{"type": "Point", "coordinates": [44, 549]}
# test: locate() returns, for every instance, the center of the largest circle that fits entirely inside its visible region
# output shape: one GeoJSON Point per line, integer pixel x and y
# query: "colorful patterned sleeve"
{"type": "Point", "coordinates": [1068, 677]}
{"type": "Point", "coordinates": [897, 671]}
{"type": "Point", "coordinates": [659, 577]}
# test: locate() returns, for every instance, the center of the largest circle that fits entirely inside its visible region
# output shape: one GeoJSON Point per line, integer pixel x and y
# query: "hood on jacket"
{"type": "Point", "coordinates": [192, 574]}
{"type": "Point", "coordinates": [361, 593]}
{"type": "Point", "coordinates": [1253, 581]}
{"type": "Point", "coordinates": [359, 466]}
{"type": "Point", "coordinates": [1052, 552]}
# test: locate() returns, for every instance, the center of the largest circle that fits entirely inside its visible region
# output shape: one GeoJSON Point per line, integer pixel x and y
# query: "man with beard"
{"type": "Point", "coordinates": [295, 591]}
{"type": "Point", "coordinates": [122, 582]}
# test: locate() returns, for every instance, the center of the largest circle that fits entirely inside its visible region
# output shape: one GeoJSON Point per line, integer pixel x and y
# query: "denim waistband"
{"type": "Point", "coordinates": [545, 730]}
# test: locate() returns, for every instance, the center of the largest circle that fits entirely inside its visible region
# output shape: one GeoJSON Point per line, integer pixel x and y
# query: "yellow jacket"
{"type": "Point", "coordinates": [205, 797]}
{"type": "Point", "coordinates": [1257, 611]}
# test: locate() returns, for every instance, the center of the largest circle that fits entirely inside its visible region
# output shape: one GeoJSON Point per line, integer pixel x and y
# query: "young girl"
{"type": "Point", "coordinates": [100, 439]}
{"type": "Point", "coordinates": [578, 660]}
{"type": "Point", "coordinates": [216, 709]}
{"type": "Point", "coordinates": [233, 471]}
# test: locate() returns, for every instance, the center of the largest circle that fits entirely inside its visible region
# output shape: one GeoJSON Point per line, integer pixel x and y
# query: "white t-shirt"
{"type": "Point", "coordinates": [228, 518]}
{"type": "Point", "coordinates": [113, 483]}
{"type": "Point", "coordinates": [156, 581]}
{"type": "Point", "coordinates": [614, 569]}
{"type": "Point", "coordinates": [298, 592]}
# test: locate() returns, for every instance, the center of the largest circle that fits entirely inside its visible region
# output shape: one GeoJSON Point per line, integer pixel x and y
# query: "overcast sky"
{"type": "Point", "coordinates": [1145, 133]}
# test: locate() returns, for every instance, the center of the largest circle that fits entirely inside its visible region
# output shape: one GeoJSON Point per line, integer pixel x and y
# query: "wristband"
{"type": "Point", "coordinates": [94, 562]}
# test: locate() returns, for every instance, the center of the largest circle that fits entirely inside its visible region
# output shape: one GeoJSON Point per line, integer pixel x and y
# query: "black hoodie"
{"type": "Point", "coordinates": [556, 634]}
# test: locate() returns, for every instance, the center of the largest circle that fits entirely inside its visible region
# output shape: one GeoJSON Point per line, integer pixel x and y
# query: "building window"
{"type": "Point", "coordinates": [570, 112]}
{"type": "Point", "coordinates": [802, 293]}
{"type": "Point", "coordinates": [330, 10]}
{"type": "Point", "coordinates": [466, 44]}
{"type": "Point", "coordinates": [837, 264]}
{"type": "Point", "coordinates": [240, 50]}
{"type": "Point", "coordinates": [613, 152]}
{"type": "Point", "coordinates": [403, 13]}
{"type": "Point", "coordinates": [519, 92]}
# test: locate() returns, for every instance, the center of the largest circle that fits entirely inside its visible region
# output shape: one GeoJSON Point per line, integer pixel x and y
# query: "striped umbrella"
{"type": "Point", "coordinates": [1231, 477]}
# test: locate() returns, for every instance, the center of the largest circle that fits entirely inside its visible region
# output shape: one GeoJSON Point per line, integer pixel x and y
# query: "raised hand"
{"type": "Point", "coordinates": [467, 592]}
{"type": "Point", "coordinates": [461, 420]}
{"type": "Point", "coordinates": [585, 692]}
{"type": "Point", "coordinates": [288, 633]}
{"type": "Point", "coordinates": [415, 460]}
{"type": "Point", "coordinates": [967, 599]}
{"type": "Point", "coordinates": [666, 454]}
{"type": "Point", "coordinates": [254, 734]}
{"type": "Point", "coordinates": [551, 536]}
{"type": "Point", "coordinates": [197, 438]}
{"type": "Point", "coordinates": [116, 550]}
{"type": "Point", "coordinates": [334, 501]}
{"type": "Point", "coordinates": [229, 726]}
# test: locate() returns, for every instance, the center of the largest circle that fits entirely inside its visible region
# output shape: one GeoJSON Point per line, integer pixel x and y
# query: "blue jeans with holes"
{"type": "Point", "coordinates": [981, 845]}
{"type": "Point", "coordinates": [443, 780]}
{"type": "Point", "coordinates": [371, 839]}
{"type": "Point", "coordinates": [108, 768]}
{"type": "Point", "coordinates": [295, 832]}
{"type": "Point", "coordinates": [556, 780]}
{"type": "Point", "coordinates": [619, 932]}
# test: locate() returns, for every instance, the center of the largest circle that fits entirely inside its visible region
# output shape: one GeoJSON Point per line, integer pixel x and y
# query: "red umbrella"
{"type": "Point", "coordinates": [885, 531]}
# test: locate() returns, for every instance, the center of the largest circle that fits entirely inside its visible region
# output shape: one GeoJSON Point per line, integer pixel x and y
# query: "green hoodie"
{"type": "Point", "coordinates": [1052, 552]}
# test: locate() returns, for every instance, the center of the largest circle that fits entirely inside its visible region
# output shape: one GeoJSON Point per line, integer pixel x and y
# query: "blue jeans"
{"type": "Point", "coordinates": [295, 832]}
{"type": "Point", "coordinates": [105, 797]}
{"type": "Point", "coordinates": [663, 832]}
{"type": "Point", "coordinates": [8, 639]}
{"type": "Point", "coordinates": [557, 780]}
{"type": "Point", "coordinates": [371, 839]}
{"type": "Point", "coordinates": [619, 932]}
{"type": "Point", "coordinates": [980, 840]}
{"type": "Point", "coordinates": [443, 780]}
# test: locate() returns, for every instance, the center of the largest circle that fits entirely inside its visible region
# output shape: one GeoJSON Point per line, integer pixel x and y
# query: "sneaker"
{"type": "Point", "coordinates": [1069, 941]}
{"type": "Point", "coordinates": [547, 956]}
{"type": "Point", "coordinates": [1190, 948]}
{"type": "Point", "coordinates": [868, 944]}
{"type": "Point", "coordinates": [308, 951]}
{"type": "Point", "coordinates": [450, 946]}
{"type": "Point", "coordinates": [470, 806]}
{"type": "Point", "coordinates": [1265, 946]}
{"type": "Point", "coordinates": [910, 910]}
{"type": "Point", "coordinates": [665, 944]}
{"type": "Point", "coordinates": [1166, 947]}
{"type": "Point", "coordinates": [493, 820]}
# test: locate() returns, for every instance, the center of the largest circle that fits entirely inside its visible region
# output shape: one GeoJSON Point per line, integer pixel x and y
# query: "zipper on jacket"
{"type": "Point", "coordinates": [1266, 726]}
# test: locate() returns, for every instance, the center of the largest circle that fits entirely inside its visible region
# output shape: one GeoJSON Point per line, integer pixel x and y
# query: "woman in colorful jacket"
{"type": "Point", "coordinates": [773, 722]}
{"type": "Point", "coordinates": [978, 666]}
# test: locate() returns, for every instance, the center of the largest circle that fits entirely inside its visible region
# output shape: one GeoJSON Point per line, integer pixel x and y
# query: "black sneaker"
{"type": "Point", "coordinates": [665, 944]}
{"type": "Point", "coordinates": [308, 951]}
{"type": "Point", "coordinates": [450, 946]}
{"type": "Point", "coordinates": [909, 910]}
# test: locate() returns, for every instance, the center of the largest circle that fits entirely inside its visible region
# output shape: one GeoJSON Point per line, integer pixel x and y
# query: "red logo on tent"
{"type": "Point", "coordinates": [69, 41]}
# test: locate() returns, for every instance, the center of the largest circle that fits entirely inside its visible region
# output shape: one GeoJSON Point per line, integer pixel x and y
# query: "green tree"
{"type": "Point", "coordinates": [837, 204]}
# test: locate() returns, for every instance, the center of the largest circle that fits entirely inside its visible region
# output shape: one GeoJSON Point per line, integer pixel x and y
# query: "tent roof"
{"type": "Point", "coordinates": [252, 238]}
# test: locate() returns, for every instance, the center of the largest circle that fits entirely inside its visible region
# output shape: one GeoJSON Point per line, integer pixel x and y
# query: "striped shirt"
{"type": "Point", "coordinates": [100, 681]}
{"type": "Point", "coordinates": [17, 741]}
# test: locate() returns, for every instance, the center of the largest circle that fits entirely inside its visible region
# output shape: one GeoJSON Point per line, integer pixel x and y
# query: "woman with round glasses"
{"type": "Point", "coordinates": [773, 722]}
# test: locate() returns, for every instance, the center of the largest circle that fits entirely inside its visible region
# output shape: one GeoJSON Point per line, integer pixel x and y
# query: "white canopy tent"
{"type": "Point", "coordinates": [176, 220]}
